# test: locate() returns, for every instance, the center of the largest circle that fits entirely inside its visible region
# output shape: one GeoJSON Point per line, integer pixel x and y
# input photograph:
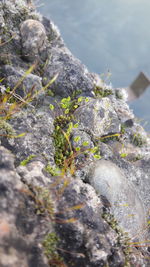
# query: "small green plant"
{"type": "Point", "coordinates": [44, 202]}
{"type": "Point", "coordinates": [27, 160]}
{"type": "Point", "coordinates": [102, 92]}
{"type": "Point", "coordinates": [50, 244]}
{"type": "Point", "coordinates": [11, 102]}
{"type": "Point", "coordinates": [123, 155]}
{"type": "Point", "coordinates": [138, 140]}
{"type": "Point", "coordinates": [54, 171]}
{"type": "Point", "coordinates": [61, 137]}
{"type": "Point", "coordinates": [6, 127]}
{"type": "Point", "coordinates": [123, 129]}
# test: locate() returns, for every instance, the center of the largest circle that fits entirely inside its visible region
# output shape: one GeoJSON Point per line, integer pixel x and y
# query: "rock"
{"type": "Point", "coordinates": [13, 78]}
{"type": "Point", "coordinates": [110, 182]}
{"type": "Point", "coordinates": [78, 205]}
{"type": "Point", "coordinates": [37, 128]}
{"type": "Point", "coordinates": [101, 115]}
{"type": "Point", "coordinates": [91, 240]}
{"type": "Point", "coordinates": [33, 38]}
{"type": "Point", "coordinates": [81, 139]}
{"type": "Point", "coordinates": [32, 174]}
{"type": "Point", "coordinates": [20, 228]}
{"type": "Point", "coordinates": [72, 75]}
{"type": "Point", "coordinates": [91, 248]}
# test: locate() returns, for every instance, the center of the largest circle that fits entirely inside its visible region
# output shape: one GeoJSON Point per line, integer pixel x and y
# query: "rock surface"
{"type": "Point", "coordinates": [74, 163]}
{"type": "Point", "coordinates": [20, 228]}
{"type": "Point", "coordinates": [109, 181]}
{"type": "Point", "coordinates": [33, 38]}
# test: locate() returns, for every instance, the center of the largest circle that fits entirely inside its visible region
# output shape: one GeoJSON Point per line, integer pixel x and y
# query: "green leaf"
{"type": "Point", "coordinates": [76, 125]}
{"type": "Point", "coordinates": [94, 149]}
{"type": "Point", "coordinates": [77, 138]}
{"type": "Point", "coordinates": [51, 107]}
{"type": "Point", "coordinates": [7, 89]}
{"type": "Point", "coordinates": [66, 100]}
{"type": "Point", "coordinates": [97, 156]}
{"type": "Point", "coordinates": [67, 111]}
{"type": "Point", "coordinates": [50, 93]}
{"type": "Point", "coordinates": [27, 160]}
{"type": "Point", "coordinates": [85, 143]}
{"type": "Point", "coordinates": [77, 148]}
{"type": "Point", "coordinates": [123, 155]}
{"type": "Point", "coordinates": [75, 106]}
{"type": "Point", "coordinates": [80, 99]}
{"type": "Point", "coordinates": [63, 105]}
{"type": "Point", "coordinates": [57, 127]}
{"type": "Point", "coordinates": [1, 80]}
{"type": "Point", "coordinates": [19, 135]}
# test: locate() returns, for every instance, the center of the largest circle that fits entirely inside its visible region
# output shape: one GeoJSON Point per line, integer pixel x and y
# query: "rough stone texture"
{"type": "Point", "coordinates": [98, 117]}
{"type": "Point", "coordinates": [21, 230]}
{"type": "Point", "coordinates": [118, 184]}
{"type": "Point", "coordinates": [37, 125]}
{"type": "Point", "coordinates": [33, 38]}
{"type": "Point", "coordinates": [72, 75]}
{"type": "Point", "coordinates": [31, 82]}
{"type": "Point", "coordinates": [90, 236]}
{"type": "Point", "coordinates": [110, 182]}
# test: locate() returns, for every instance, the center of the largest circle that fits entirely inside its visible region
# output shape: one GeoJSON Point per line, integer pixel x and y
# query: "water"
{"type": "Point", "coordinates": [108, 35]}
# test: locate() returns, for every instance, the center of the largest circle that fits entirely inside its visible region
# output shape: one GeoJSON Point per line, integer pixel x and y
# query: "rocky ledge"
{"type": "Point", "coordinates": [74, 162]}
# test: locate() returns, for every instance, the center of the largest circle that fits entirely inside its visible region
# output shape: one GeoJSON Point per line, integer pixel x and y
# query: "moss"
{"type": "Point", "coordinates": [50, 244]}
{"type": "Point", "coordinates": [44, 202]}
{"type": "Point", "coordinates": [52, 170]}
{"type": "Point", "coordinates": [102, 92]}
{"type": "Point", "coordinates": [123, 237]}
{"type": "Point", "coordinates": [64, 153]}
{"type": "Point", "coordinates": [123, 129]}
{"type": "Point", "coordinates": [138, 140]}
{"type": "Point", "coordinates": [27, 160]}
{"type": "Point", "coordinates": [6, 127]}
{"type": "Point", "coordinates": [62, 148]}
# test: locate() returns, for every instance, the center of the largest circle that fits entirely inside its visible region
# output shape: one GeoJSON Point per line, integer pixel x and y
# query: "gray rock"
{"type": "Point", "coordinates": [32, 174]}
{"type": "Point", "coordinates": [72, 75]}
{"type": "Point", "coordinates": [37, 125]}
{"type": "Point", "coordinates": [33, 37]}
{"type": "Point", "coordinates": [110, 182]}
{"type": "Point", "coordinates": [91, 241]}
{"type": "Point", "coordinates": [98, 117]}
{"type": "Point", "coordinates": [122, 109]}
{"type": "Point", "coordinates": [21, 230]}
{"type": "Point", "coordinates": [14, 78]}
{"type": "Point", "coordinates": [81, 139]}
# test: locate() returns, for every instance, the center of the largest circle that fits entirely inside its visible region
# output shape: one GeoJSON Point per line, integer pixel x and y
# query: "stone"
{"type": "Point", "coordinates": [20, 228]}
{"type": "Point", "coordinates": [91, 248]}
{"type": "Point", "coordinates": [110, 182]}
{"type": "Point", "coordinates": [92, 241]}
{"type": "Point", "coordinates": [14, 78]}
{"type": "Point", "coordinates": [33, 38]}
{"type": "Point", "coordinates": [74, 205]}
{"type": "Point", "coordinates": [72, 75]}
{"type": "Point", "coordinates": [98, 117]}
{"type": "Point", "coordinates": [37, 127]}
